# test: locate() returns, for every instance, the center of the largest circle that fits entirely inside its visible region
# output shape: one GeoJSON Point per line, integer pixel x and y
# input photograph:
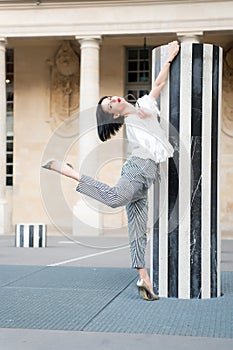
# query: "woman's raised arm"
{"type": "Point", "coordinates": [160, 81]}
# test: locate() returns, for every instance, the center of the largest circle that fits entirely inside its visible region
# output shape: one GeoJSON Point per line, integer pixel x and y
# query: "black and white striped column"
{"type": "Point", "coordinates": [31, 235]}
{"type": "Point", "coordinates": [3, 202]}
{"type": "Point", "coordinates": [186, 235]}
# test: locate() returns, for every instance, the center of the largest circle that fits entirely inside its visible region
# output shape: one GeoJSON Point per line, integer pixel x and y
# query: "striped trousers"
{"type": "Point", "coordinates": [130, 191]}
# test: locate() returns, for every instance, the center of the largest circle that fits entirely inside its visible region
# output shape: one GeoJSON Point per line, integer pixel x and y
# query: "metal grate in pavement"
{"type": "Point", "coordinates": [105, 300]}
{"type": "Point", "coordinates": [12, 273]}
{"type": "Point", "coordinates": [170, 316]}
{"type": "Point", "coordinates": [59, 297]}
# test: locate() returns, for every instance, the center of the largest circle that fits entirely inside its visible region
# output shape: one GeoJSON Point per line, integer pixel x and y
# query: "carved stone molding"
{"type": "Point", "coordinates": [227, 113]}
{"type": "Point", "coordinates": [190, 37]}
{"type": "Point", "coordinates": [64, 84]}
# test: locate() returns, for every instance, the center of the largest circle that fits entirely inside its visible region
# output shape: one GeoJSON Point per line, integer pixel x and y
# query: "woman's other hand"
{"type": "Point", "coordinates": [173, 49]}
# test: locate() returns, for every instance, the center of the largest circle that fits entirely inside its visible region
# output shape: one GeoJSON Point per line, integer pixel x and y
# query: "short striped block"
{"type": "Point", "coordinates": [31, 235]}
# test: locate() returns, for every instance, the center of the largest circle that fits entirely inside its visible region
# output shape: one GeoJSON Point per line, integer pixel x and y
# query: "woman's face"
{"type": "Point", "coordinates": [114, 105]}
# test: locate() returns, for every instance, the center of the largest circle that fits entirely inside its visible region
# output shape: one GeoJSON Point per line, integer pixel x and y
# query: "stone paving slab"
{"type": "Point", "coordinates": [34, 339]}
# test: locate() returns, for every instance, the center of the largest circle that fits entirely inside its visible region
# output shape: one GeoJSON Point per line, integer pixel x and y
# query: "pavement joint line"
{"type": "Point", "coordinates": [106, 305]}
{"type": "Point", "coordinates": [91, 246]}
{"type": "Point", "coordinates": [22, 277]}
{"type": "Point", "coordinates": [85, 257]}
{"type": "Point", "coordinates": [88, 245]}
{"type": "Point", "coordinates": [66, 242]}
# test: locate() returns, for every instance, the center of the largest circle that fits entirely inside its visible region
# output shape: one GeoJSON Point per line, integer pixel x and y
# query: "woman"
{"type": "Point", "coordinates": [149, 148]}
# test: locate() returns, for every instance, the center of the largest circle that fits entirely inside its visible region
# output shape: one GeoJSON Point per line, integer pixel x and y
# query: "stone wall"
{"type": "Point", "coordinates": [226, 172]}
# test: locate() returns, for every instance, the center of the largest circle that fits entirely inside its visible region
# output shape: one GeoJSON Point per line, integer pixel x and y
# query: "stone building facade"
{"type": "Point", "coordinates": [60, 57]}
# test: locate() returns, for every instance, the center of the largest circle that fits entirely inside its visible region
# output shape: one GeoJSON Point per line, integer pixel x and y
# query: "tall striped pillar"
{"type": "Point", "coordinates": [3, 202]}
{"type": "Point", "coordinates": [186, 236]}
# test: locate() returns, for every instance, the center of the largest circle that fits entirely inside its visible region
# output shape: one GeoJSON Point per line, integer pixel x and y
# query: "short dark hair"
{"type": "Point", "coordinates": [106, 125]}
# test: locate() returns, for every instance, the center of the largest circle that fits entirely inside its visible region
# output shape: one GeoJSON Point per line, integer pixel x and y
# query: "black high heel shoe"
{"type": "Point", "coordinates": [146, 293]}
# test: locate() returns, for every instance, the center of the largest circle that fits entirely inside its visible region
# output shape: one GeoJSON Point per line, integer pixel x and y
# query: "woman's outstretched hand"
{"type": "Point", "coordinates": [173, 49]}
{"type": "Point", "coordinates": [62, 168]}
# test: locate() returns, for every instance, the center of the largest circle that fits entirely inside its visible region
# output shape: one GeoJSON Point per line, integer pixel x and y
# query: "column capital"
{"type": "Point", "coordinates": [3, 42]}
{"type": "Point", "coordinates": [84, 39]}
{"type": "Point", "coordinates": [189, 37]}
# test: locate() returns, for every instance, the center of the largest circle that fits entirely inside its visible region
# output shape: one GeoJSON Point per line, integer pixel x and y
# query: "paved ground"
{"type": "Point", "coordinates": [83, 296]}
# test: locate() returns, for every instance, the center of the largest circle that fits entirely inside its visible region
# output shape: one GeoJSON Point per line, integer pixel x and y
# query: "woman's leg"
{"type": "Point", "coordinates": [137, 213]}
{"type": "Point", "coordinates": [113, 196]}
{"type": "Point", "coordinates": [124, 193]}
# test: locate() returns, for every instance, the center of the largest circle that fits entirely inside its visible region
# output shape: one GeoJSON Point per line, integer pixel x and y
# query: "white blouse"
{"type": "Point", "coordinates": [146, 137]}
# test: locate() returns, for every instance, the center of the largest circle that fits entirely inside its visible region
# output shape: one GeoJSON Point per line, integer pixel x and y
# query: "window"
{"type": "Point", "coordinates": [138, 72]}
{"type": "Point", "coordinates": [9, 115]}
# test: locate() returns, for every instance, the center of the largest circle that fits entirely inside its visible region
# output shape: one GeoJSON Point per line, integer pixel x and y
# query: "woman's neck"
{"type": "Point", "coordinates": [129, 109]}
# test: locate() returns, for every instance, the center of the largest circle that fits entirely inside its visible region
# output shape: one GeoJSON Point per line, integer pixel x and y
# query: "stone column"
{"type": "Point", "coordinates": [87, 219]}
{"type": "Point", "coordinates": [186, 239]}
{"type": "Point", "coordinates": [189, 37]}
{"type": "Point", "coordinates": [3, 203]}
{"type": "Point", "coordinates": [89, 80]}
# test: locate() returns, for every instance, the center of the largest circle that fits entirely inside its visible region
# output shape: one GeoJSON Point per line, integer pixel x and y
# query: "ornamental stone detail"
{"type": "Point", "coordinates": [64, 84]}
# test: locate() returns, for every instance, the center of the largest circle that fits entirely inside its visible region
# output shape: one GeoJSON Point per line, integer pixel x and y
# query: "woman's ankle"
{"type": "Point", "coordinates": [143, 275]}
